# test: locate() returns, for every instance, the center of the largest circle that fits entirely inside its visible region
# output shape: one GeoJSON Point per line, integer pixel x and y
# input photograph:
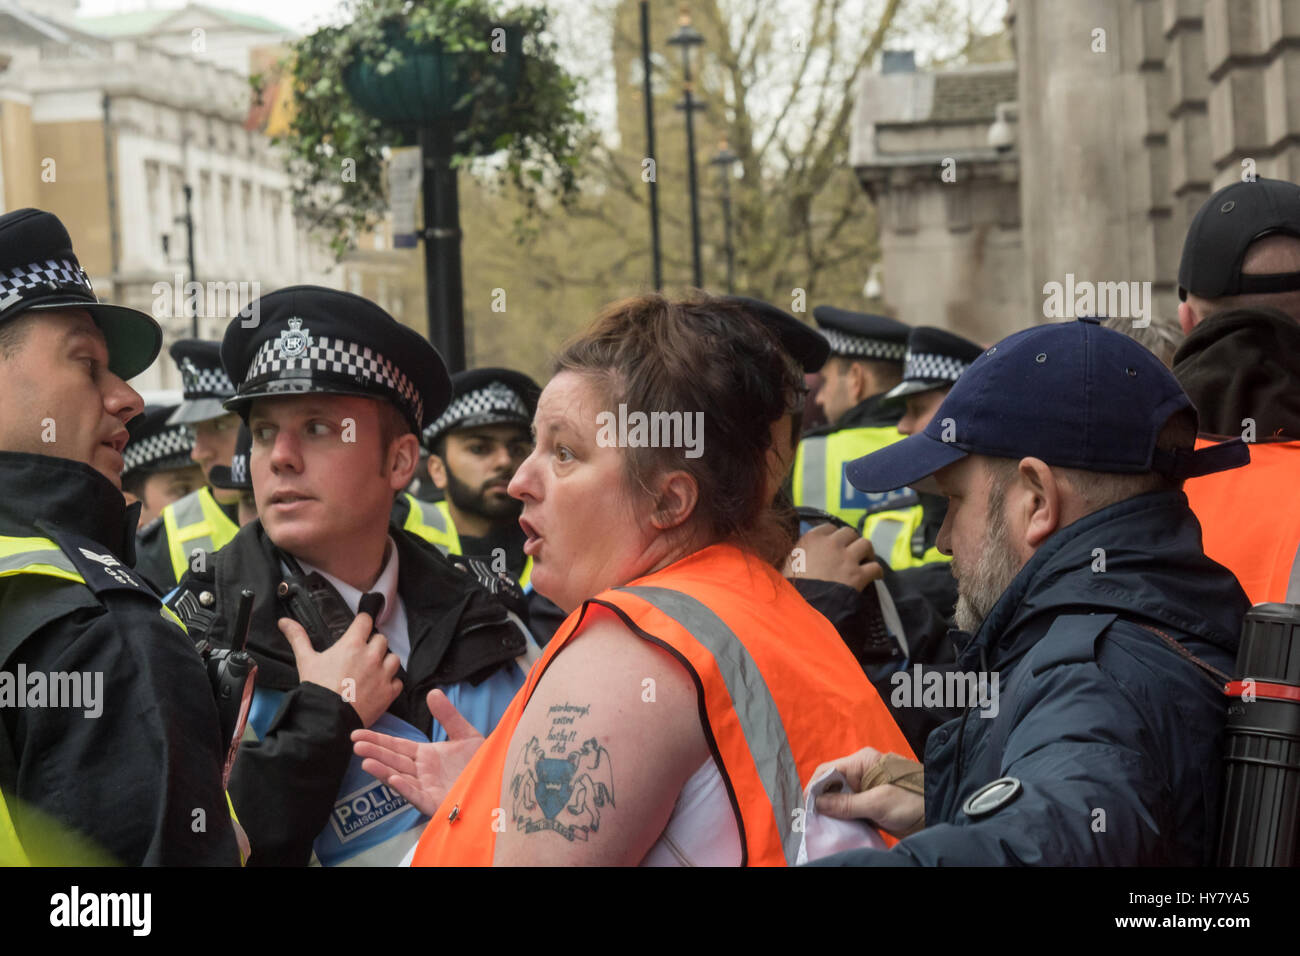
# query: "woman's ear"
{"type": "Point", "coordinates": [678, 495]}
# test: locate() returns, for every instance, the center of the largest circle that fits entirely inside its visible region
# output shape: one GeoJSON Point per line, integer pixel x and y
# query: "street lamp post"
{"type": "Point", "coordinates": [686, 37]}
{"type": "Point", "coordinates": [725, 160]}
{"type": "Point", "coordinates": [187, 221]}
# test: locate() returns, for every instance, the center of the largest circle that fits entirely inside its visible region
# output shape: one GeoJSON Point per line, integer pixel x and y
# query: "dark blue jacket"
{"type": "Point", "coordinates": [1114, 736]}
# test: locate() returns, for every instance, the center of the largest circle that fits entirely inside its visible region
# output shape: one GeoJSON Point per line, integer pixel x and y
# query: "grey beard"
{"type": "Point", "coordinates": [979, 587]}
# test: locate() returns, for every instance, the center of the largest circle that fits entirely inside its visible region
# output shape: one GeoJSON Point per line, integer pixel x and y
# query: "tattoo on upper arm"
{"type": "Point", "coordinates": [563, 786]}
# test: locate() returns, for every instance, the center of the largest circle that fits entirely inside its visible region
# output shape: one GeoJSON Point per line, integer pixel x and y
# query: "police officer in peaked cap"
{"type": "Point", "coordinates": [354, 620]}
{"type": "Point", "coordinates": [866, 362]}
{"type": "Point", "coordinates": [935, 359]}
{"type": "Point", "coordinates": [234, 477]}
{"type": "Point", "coordinates": [206, 518]}
{"type": "Point", "coordinates": [119, 770]}
{"type": "Point", "coordinates": [157, 468]}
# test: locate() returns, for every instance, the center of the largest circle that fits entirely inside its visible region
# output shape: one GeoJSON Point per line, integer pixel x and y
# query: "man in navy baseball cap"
{"type": "Point", "coordinates": [1102, 634]}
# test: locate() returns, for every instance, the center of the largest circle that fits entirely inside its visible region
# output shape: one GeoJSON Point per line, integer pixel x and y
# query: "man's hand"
{"type": "Point", "coordinates": [889, 807]}
{"type": "Point", "coordinates": [421, 772]}
{"type": "Point", "coordinates": [359, 667]}
{"type": "Point", "coordinates": [836, 554]}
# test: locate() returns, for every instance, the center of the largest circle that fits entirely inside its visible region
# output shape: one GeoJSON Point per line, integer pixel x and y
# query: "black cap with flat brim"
{"type": "Point", "coordinates": [40, 273]}
{"type": "Point", "coordinates": [803, 343]}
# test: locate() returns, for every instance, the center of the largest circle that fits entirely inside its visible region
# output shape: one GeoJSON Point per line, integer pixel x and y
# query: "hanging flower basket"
{"type": "Point", "coordinates": [429, 86]}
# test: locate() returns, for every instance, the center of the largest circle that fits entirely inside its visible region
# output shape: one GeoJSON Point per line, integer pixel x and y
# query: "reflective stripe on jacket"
{"type": "Point", "coordinates": [432, 521]}
{"type": "Point", "coordinates": [775, 707]}
{"type": "Point", "coordinates": [40, 555]}
{"type": "Point", "coordinates": [195, 522]}
{"type": "Point", "coordinates": [889, 519]}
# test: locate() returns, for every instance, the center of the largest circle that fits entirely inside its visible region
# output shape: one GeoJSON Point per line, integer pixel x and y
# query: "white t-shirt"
{"type": "Point", "coordinates": [702, 830]}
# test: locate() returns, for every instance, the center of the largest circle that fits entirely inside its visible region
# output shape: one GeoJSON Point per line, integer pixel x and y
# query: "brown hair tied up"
{"type": "Point", "coordinates": [698, 354]}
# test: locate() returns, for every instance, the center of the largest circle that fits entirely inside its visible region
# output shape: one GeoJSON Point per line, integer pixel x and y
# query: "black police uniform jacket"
{"type": "Point", "coordinates": [284, 786]}
{"type": "Point", "coordinates": [1112, 734]}
{"type": "Point", "coordinates": [143, 779]}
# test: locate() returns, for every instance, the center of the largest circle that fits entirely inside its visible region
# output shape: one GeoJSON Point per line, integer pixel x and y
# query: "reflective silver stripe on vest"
{"type": "Point", "coordinates": [432, 515]}
{"type": "Point", "coordinates": [1293, 585]}
{"type": "Point", "coordinates": [755, 709]}
{"type": "Point", "coordinates": [188, 511]}
{"type": "Point", "coordinates": [25, 559]}
{"type": "Point", "coordinates": [884, 535]}
{"type": "Point", "coordinates": [814, 473]}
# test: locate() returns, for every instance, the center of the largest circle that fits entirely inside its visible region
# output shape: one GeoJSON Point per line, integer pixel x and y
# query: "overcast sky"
{"type": "Point", "coordinates": [582, 37]}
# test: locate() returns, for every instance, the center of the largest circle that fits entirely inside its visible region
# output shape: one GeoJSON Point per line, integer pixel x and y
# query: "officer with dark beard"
{"type": "Point", "coordinates": [474, 448]}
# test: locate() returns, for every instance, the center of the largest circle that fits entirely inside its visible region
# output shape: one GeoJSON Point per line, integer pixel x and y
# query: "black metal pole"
{"type": "Point", "coordinates": [444, 290]}
{"type": "Point", "coordinates": [656, 260]}
{"type": "Point", "coordinates": [689, 104]}
{"type": "Point", "coordinates": [189, 243]}
{"type": "Point", "coordinates": [726, 220]}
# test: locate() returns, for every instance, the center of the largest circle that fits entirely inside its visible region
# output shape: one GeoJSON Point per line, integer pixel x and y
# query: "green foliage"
{"type": "Point", "coordinates": [537, 131]}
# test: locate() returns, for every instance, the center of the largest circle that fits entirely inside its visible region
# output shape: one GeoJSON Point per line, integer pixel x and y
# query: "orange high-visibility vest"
{"type": "Point", "coordinates": [1250, 520]}
{"type": "Point", "coordinates": [748, 639]}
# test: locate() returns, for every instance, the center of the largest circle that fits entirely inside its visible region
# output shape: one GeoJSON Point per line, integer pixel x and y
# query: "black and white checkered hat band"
{"type": "Point", "coordinates": [172, 442]}
{"type": "Point", "coordinates": [495, 398]}
{"type": "Point", "coordinates": [859, 345]}
{"type": "Point", "coordinates": [338, 357]}
{"type": "Point", "coordinates": [199, 382]}
{"type": "Point", "coordinates": [927, 367]}
{"type": "Point", "coordinates": [18, 280]}
{"type": "Point", "coordinates": [239, 470]}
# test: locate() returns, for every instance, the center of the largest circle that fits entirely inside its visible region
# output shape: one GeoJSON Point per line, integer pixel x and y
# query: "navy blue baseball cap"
{"type": "Point", "coordinates": [1074, 394]}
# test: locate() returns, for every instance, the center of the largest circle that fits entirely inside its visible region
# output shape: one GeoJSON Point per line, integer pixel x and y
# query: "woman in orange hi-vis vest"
{"type": "Point", "coordinates": [691, 692]}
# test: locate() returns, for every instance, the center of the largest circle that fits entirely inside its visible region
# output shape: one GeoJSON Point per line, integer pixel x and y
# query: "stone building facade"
{"type": "Point", "coordinates": [1124, 116]}
{"type": "Point", "coordinates": [104, 124]}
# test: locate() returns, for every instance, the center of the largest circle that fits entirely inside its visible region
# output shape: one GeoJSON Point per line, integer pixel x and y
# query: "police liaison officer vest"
{"type": "Point", "coordinates": [195, 522]}
{"type": "Point", "coordinates": [748, 639]}
{"type": "Point", "coordinates": [890, 520]}
{"type": "Point", "coordinates": [431, 520]}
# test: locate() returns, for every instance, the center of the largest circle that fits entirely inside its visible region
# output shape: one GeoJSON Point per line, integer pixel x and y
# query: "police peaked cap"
{"type": "Point", "coordinates": [155, 444]}
{"type": "Point", "coordinates": [486, 396]}
{"type": "Point", "coordinates": [306, 339]}
{"type": "Point", "coordinates": [862, 334]}
{"type": "Point", "coordinates": [204, 383]}
{"type": "Point", "coordinates": [39, 272]}
{"type": "Point", "coordinates": [935, 359]}
{"type": "Point", "coordinates": [236, 476]}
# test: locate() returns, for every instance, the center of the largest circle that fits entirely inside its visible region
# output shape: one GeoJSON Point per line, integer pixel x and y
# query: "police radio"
{"type": "Point", "coordinates": [233, 675]}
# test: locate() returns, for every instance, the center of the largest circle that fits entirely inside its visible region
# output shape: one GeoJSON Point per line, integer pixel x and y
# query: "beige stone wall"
{"type": "Point", "coordinates": [18, 153]}
{"type": "Point", "coordinates": [1115, 151]}
{"type": "Point", "coordinates": [79, 193]}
